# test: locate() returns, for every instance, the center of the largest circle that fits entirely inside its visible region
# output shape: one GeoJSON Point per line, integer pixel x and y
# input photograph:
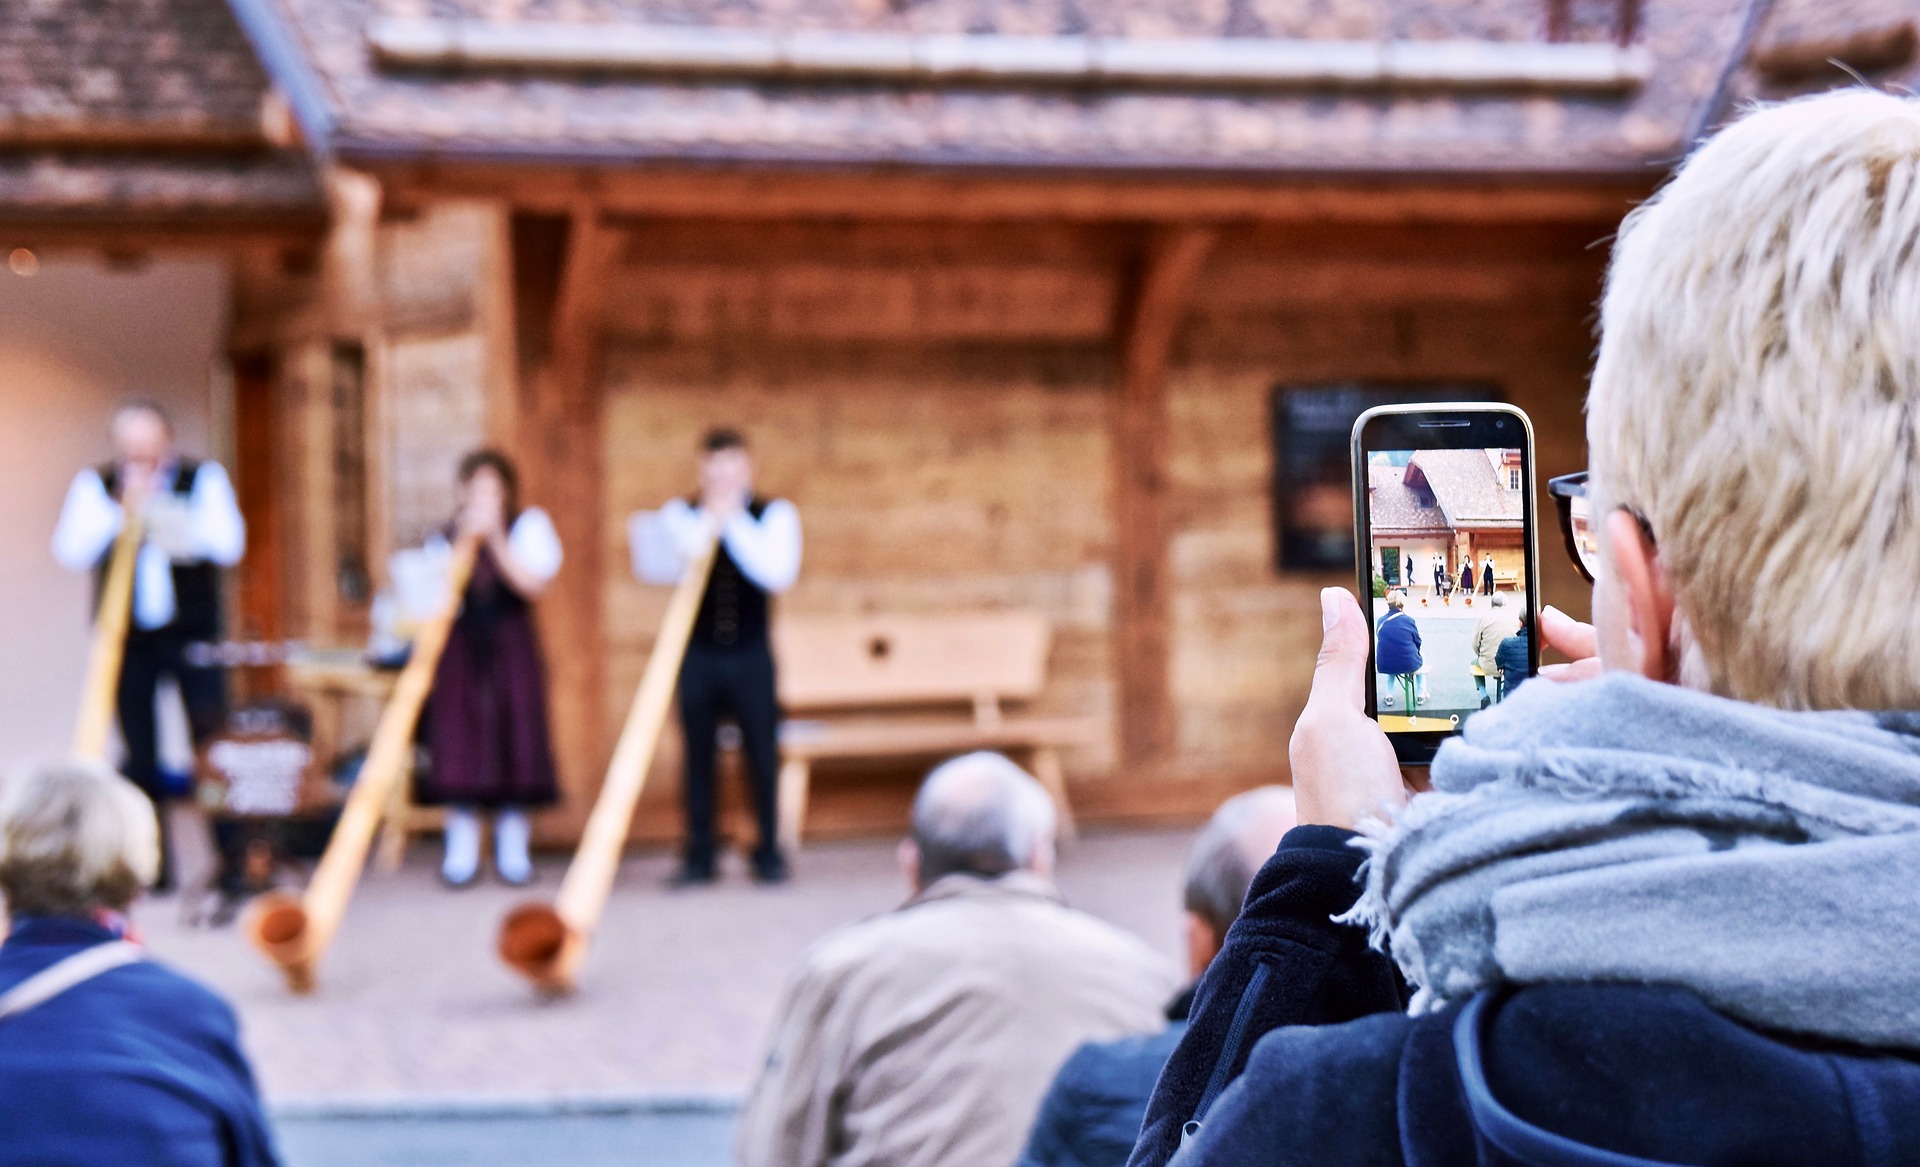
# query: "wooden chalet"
{"type": "Point", "coordinates": [1001, 292]}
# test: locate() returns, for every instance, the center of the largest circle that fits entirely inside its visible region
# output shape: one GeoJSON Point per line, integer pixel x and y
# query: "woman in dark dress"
{"type": "Point", "coordinates": [486, 722]}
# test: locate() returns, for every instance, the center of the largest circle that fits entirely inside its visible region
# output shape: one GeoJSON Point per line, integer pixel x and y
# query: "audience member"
{"type": "Point", "coordinates": [1399, 652]}
{"type": "Point", "coordinates": [105, 1056]}
{"type": "Point", "coordinates": [1494, 627]}
{"type": "Point", "coordinates": [925, 1037]}
{"type": "Point", "coordinates": [1666, 914]}
{"type": "Point", "coordinates": [1092, 1114]}
{"type": "Point", "coordinates": [1514, 656]}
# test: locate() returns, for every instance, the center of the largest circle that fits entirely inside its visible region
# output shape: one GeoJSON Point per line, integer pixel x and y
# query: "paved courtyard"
{"type": "Point", "coordinates": [1446, 644]}
{"type": "Point", "coordinates": [676, 995]}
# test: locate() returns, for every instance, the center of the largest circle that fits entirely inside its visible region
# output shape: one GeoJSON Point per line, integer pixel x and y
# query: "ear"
{"type": "Point", "coordinates": [1202, 946]}
{"type": "Point", "coordinates": [908, 854]}
{"type": "Point", "coordinates": [1648, 598]}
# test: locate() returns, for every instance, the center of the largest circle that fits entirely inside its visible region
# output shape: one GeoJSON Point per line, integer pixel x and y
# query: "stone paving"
{"type": "Point", "coordinates": [675, 997]}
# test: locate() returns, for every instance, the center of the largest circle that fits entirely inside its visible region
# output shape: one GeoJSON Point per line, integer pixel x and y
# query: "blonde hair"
{"type": "Point", "coordinates": [1757, 399]}
{"type": "Point", "coordinates": [74, 837]}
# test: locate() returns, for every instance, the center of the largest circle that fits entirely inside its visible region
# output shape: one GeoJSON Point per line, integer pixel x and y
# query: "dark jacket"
{"type": "Point", "coordinates": [1091, 1114]}
{"type": "Point", "coordinates": [137, 1066]}
{"type": "Point", "coordinates": [1399, 650]}
{"type": "Point", "coordinates": [1511, 656]}
{"type": "Point", "coordinates": [1643, 1071]}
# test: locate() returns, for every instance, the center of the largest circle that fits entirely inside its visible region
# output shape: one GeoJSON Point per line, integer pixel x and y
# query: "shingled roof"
{"type": "Point", "coordinates": [1803, 46]}
{"type": "Point", "coordinates": [1467, 487]}
{"type": "Point", "coordinates": [140, 111]}
{"type": "Point", "coordinates": [550, 104]}
{"type": "Point", "coordinates": [1395, 509]}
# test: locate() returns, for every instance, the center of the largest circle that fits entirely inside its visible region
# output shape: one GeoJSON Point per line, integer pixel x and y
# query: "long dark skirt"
{"type": "Point", "coordinates": [486, 722]}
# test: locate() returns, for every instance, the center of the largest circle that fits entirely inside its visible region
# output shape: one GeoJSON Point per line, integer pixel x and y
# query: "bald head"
{"type": "Point", "coordinates": [1230, 850]}
{"type": "Point", "coordinates": [982, 815]}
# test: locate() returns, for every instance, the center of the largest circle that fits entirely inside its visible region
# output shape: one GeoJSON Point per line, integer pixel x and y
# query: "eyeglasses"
{"type": "Point", "coordinates": [1577, 523]}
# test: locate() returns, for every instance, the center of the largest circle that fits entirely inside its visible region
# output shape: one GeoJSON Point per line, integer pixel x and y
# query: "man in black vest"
{"type": "Point", "coordinates": [193, 530]}
{"type": "Point", "coordinates": [729, 666]}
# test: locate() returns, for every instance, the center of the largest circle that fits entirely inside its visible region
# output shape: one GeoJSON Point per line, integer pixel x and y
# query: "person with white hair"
{"type": "Point", "coordinates": [925, 1036]}
{"type": "Point", "coordinates": [105, 1056]}
{"type": "Point", "coordinates": [1666, 913]}
{"type": "Point", "coordinates": [1092, 1112]}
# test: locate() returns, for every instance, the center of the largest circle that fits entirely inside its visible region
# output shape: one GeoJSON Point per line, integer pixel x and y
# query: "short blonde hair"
{"type": "Point", "coordinates": [1757, 399]}
{"type": "Point", "coordinates": [74, 837]}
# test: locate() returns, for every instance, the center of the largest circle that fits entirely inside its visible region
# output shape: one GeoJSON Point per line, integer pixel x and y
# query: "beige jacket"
{"type": "Point", "coordinates": [1487, 635]}
{"type": "Point", "coordinates": [926, 1037]}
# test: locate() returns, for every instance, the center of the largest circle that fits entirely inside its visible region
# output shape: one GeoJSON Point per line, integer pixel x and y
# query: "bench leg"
{"type": "Point", "coordinates": [795, 775]}
{"type": "Point", "coordinates": [1046, 767]}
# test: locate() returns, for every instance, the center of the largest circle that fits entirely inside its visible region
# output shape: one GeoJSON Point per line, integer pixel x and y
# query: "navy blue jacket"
{"type": "Point", "coordinates": [1511, 656]}
{"type": "Point", "coordinates": [1649, 1073]}
{"type": "Point", "coordinates": [1091, 1114]}
{"type": "Point", "coordinates": [1399, 650]}
{"type": "Point", "coordinates": [137, 1066]}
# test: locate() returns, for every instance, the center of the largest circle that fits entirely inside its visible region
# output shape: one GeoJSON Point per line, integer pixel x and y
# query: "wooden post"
{"type": "Point", "coordinates": [1142, 613]}
{"type": "Point", "coordinates": [560, 269]}
{"type": "Point", "coordinates": [546, 944]}
{"type": "Point", "coordinates": [110, 624]}
{"type": "Point", "coordinates": [295, 934]}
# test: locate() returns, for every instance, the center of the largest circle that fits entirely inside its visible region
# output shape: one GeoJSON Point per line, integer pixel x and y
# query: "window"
{"type": "Point", "coordinates": [1513, 478]}
{"type": "Point", "coordinates": [1312, 462]}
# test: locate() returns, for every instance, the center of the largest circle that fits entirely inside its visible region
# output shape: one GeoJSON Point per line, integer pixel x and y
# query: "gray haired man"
{"type": "Point", "coordinates": [924, 1037]}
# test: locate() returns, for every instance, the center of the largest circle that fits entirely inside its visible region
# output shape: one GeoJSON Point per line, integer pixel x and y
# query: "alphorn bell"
{"type": "Point", "coordinates": [295, 933]}
{"type": "Point", "coordinates": [110, 623]}
{"type": "Point", "coordinates": [545, 943]}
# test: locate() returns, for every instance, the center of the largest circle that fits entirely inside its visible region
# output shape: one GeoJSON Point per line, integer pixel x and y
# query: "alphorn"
{"type": "Point", "coordinates": [295, 933]}
{"type": "Point", "coordinates": [110, 623]}
{"type": "Point", "coordinates": [545, 943]}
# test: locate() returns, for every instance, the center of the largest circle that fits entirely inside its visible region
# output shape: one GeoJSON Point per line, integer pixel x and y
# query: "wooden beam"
{"type": "Point", "coordinates": [559, 312]}
{"type": "Point", "coordinates": [1163, 287]}
{"type": "Point", "coordinates": [768, 193]}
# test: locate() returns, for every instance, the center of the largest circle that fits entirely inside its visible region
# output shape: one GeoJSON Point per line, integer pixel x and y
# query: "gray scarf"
{"type": "Point", "coordinates": [1626, 831]}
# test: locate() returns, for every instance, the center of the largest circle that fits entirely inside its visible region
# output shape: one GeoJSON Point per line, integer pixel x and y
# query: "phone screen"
{"type": "Point", "coordinates": [1444, 504]}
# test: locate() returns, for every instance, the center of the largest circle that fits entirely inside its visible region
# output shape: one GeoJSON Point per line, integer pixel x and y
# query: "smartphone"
{"type": "Point", "coordinates": [1444, 521]}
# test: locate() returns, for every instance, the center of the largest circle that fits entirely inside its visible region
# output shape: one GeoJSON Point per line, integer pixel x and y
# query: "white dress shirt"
{"type": "Point", "coordinates": [420, 575]}
{"type": "Point", "coordinates": [205, 528]}
{"type": "Point", "coordinates": [766, 549]}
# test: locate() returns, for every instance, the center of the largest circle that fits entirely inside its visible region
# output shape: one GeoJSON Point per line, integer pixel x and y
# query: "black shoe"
{"type": "Point", "coordinates": [693, 875]}
{"type": "Point", "coordinates": [771, 868]}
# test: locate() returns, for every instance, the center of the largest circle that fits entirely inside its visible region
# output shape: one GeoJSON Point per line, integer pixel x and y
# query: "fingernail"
{"type": "Point", "coordinates": [1329, 608]}
{"type": "Point", "coordinates": [1550, 610]}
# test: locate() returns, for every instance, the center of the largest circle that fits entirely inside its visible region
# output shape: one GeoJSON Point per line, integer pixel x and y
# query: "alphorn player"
{"type": "Point", "coordinates": [193, 529]}
{"type": "Point", "coordinates": [486, 729]}
{"type": "Point", "coordinates": [729, 669]}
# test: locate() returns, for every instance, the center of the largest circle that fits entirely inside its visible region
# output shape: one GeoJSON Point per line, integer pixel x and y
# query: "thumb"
{"type": "Point", "coordinates": [1340, 675]}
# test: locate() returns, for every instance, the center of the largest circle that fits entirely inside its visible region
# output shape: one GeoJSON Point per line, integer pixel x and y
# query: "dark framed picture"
{"type": "Point", "coordinates": [1312, 446]}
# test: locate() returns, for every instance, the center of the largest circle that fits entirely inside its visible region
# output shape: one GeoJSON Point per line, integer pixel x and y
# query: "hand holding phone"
{"type": "Point", "coordinates": [1343, 767]}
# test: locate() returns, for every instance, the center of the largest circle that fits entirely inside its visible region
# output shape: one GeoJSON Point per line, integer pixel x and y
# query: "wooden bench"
{"type": "Point", "coordinates": [915, 687]}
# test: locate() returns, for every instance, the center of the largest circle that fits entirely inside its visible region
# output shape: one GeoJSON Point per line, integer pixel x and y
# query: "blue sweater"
{"type": "Point", "coordinates": [1399, 650]}
{"type": "Point", "coordinates": [137, 1066]}
{"type": "Point", "coordinates": [1091, 1115]}
{"type": "Point", "coordinates": [1299, 1051]}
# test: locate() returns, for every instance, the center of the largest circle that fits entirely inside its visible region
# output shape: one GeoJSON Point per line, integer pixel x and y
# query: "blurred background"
{"type": "Point", "coordinates": [1041, 306]}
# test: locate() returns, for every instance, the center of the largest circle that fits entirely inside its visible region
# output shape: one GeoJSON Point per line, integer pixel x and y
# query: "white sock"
{"type": "Point", "coordinates": [463, 845]}
{"type": "Point", "coordinates": [510, 833]}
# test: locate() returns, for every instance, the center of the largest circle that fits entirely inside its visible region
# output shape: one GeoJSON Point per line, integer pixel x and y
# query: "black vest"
{"type": "Point", "coordinates": [196, 585]}
{"type": "Point", "coordinates": [734, 610]}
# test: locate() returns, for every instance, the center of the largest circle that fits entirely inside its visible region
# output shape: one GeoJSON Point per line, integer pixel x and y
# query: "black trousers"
{"type": "Point", "coordinates": [734, 684]}
{"type": "Point", "coordinates": [151, 656]}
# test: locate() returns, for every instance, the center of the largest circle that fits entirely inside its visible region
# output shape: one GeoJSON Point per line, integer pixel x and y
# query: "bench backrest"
{"type": "Point", "coordinates": [881, 661]}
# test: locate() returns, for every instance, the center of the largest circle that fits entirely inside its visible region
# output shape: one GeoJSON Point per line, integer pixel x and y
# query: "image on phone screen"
{"type": "Point", "coordinates": [1450, 604]}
